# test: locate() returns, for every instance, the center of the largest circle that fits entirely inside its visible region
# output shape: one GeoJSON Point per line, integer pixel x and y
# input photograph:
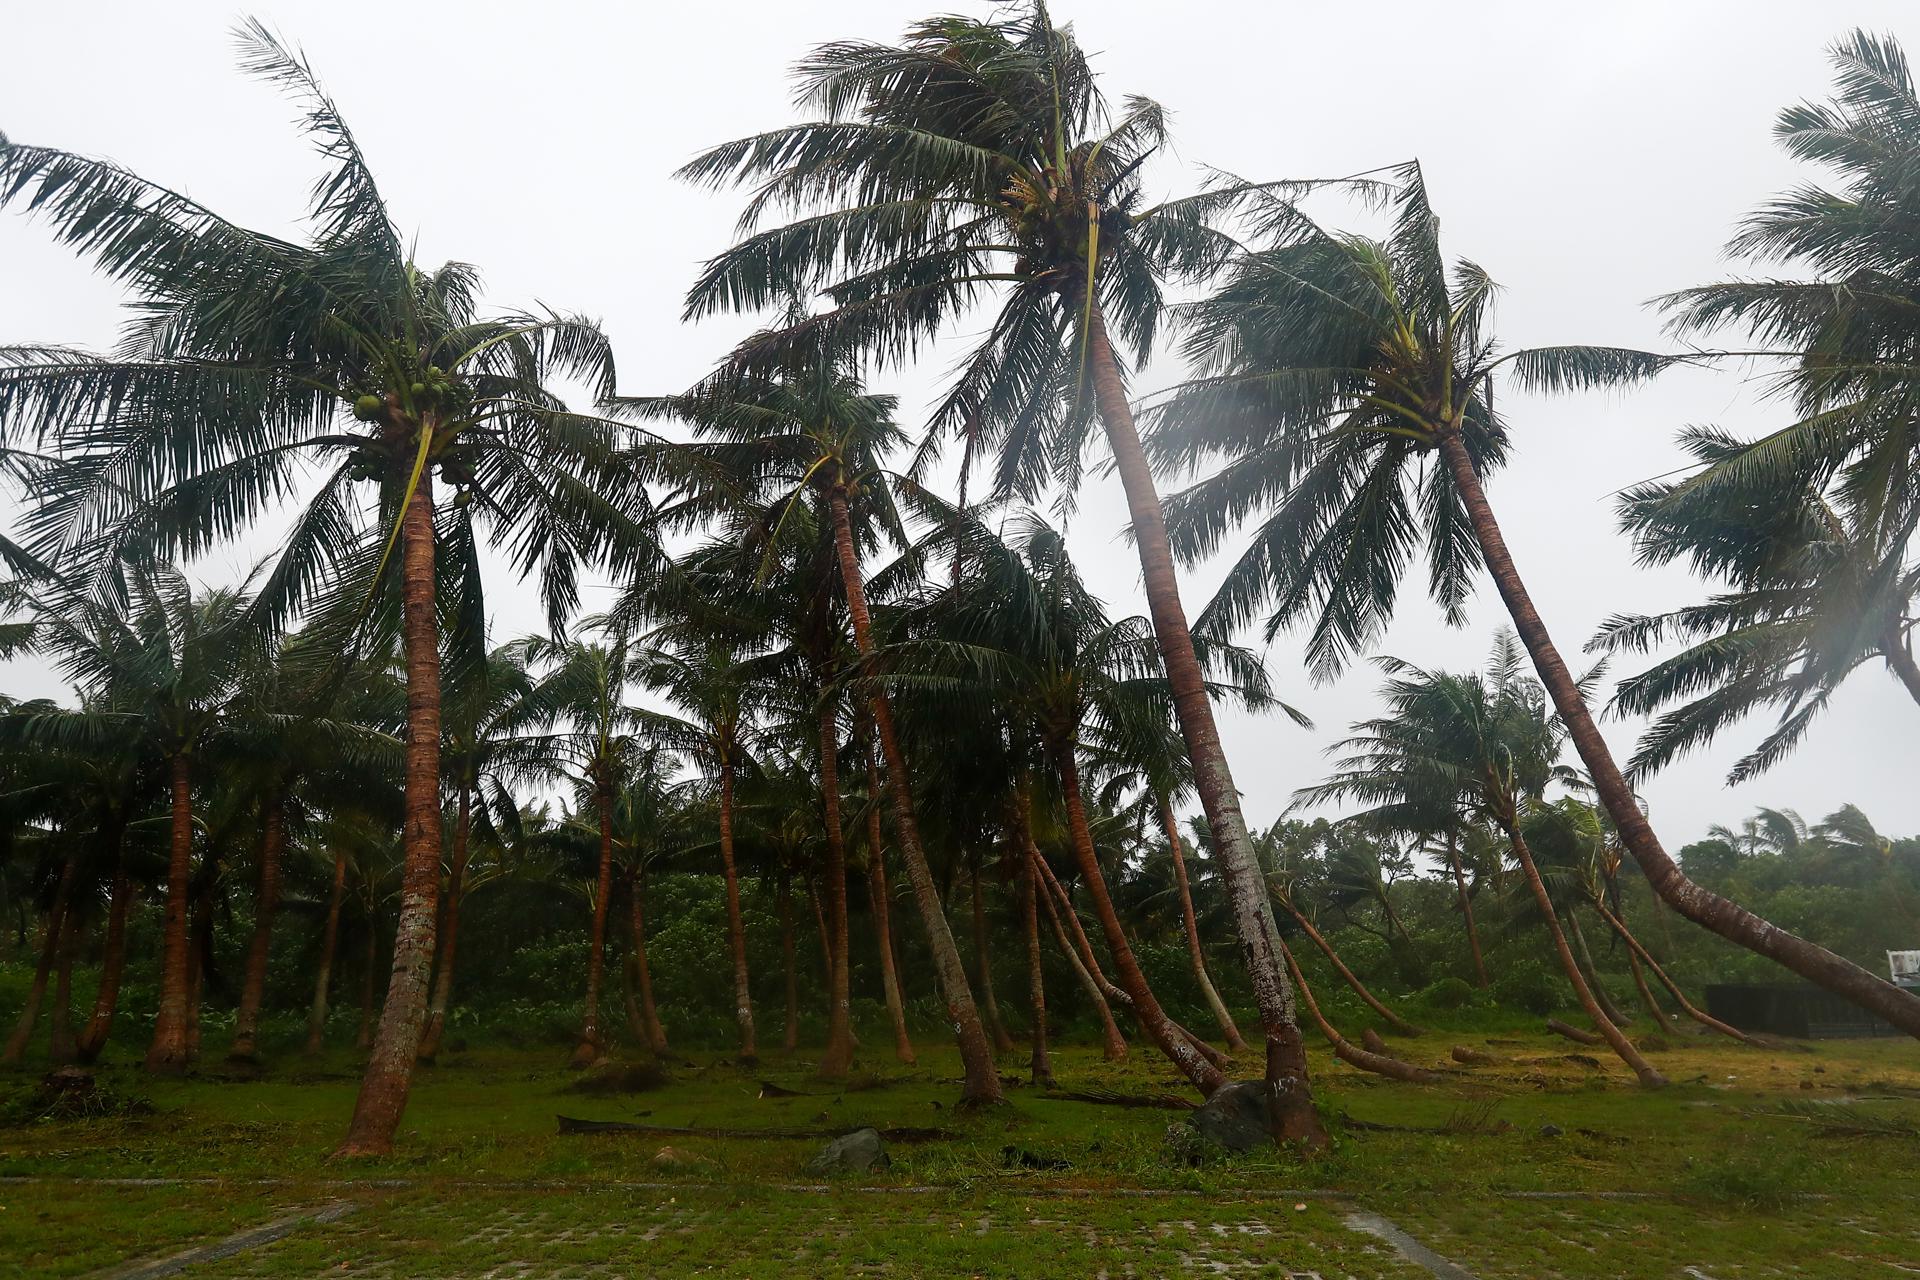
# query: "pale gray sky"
{"type": "Point", "coordinates": [1589, 156]}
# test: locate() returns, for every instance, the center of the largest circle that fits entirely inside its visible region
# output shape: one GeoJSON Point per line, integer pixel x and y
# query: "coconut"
{"type": "Point", "coordinates": [369, 407]}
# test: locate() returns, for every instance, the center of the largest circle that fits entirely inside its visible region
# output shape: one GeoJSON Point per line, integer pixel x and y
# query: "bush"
{"type": "Point", "coordinates": [1529, 986]}
{"type": "Point", "coordinates": [1448, 993]}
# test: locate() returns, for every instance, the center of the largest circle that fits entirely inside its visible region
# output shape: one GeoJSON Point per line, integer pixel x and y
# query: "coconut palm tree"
{"type": "Point", "coordinates": [1841, 324]}
{"type": "Point", "coordinates": [253, 360]}
{"type": "Point", "coordinates": [1492, 734]}
{"type": "Point", "coordinates": [1809, 597]}
{"type": "Point", "coordinates": [977, 162]}
{"type": "Point", "coordinates": [163, 673]}
{"type": "Point", "coordinates": [805, 444]}
{"type": "Point", "coordinates": [1330, 368]}
{"type": "Point", "coordinates": [582, 729]}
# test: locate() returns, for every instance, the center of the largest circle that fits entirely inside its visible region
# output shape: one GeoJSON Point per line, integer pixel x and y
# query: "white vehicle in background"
{"type": "Point", "coordinates": [1905, 968]}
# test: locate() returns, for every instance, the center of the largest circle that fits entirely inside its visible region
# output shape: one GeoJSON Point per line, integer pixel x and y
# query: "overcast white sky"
{"type": "Point", "coordinates": [1589, 156]}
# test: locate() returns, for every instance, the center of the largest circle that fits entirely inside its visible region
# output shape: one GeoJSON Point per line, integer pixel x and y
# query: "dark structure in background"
{"type": "Point", "coordinates": [1788, 1009]}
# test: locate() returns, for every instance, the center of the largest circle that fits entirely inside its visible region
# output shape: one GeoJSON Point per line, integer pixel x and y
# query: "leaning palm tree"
{"type": "Point", "coordinates": [977, 161]}
{"type": "Point", "coordinates": [163, 671]}
{"type": "Point", "coordinates": [252, 359]}
{"type": "Point", "coordinates": [1493, 736]}
{"type": "Point", "coordinates": [1331, 368]}
{"type": "Point", "coordinates": [1839, 317]}
{"type": "Point", "coordinates": [1808, 598]}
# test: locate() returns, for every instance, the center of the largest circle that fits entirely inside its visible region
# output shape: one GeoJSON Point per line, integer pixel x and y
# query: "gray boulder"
{"type": "Point", "coordinates": [854, 1152]}
{"type": "Point", "coordinates": [1235, 1117]}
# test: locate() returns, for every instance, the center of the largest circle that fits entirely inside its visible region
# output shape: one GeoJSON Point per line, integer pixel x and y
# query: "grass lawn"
{"type": "Point", "coordinates": [1801, 1161]}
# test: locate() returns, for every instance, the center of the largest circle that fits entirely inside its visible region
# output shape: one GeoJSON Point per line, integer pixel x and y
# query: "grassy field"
{"type": "Point", "coordinates": [1802, 1161]}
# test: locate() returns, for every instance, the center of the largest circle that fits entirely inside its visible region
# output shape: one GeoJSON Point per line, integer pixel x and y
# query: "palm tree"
{"type": "Point", "coordinates": [1331, 367]}
{"type": "Point", "coordinates": [1809, 598]}
{"type": "Point", "coordinates": [702, 676]}
{"type": "Point", "coordinates": [1494, 737]}
{"type": "Point", "coordinates": [589, 735]}
{"type": "Point", "coordinates": [1845, 336]}
{"type": "Point", "coordinates": [805, 444]}
{"type": "Point", "coordinates": [251, 358]}
{"type": "Point", "coordinates": [976, 160]}
{"type": "Point", "coordinates": [163, 674]}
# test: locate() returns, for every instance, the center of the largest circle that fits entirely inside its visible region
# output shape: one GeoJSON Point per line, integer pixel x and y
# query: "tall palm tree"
{"type": "Point", "coordinates": [806, 444]}
{"type": "Point", "coordinates": [252, 359]}
{"type": "Point", "coordinates": [1331, 367]}
{"type": "Point", "coordinates": [163, 671]}
{"type": "Point", "coordinates": [1808, 598]}
{"type": "Point", "coordinates": [978, 160]}
{"type": "Point", "coordinates": [591, 736]}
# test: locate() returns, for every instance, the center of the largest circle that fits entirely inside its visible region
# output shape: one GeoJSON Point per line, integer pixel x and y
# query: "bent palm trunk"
{"type": "Point", "coordinates": [1146, 1008]}
{"type": "Point", "coordinates": [1346, 1050]}
{"type": "Point", "coordinates": [1687, 1006]}
{"type": "Point", "coordinates": [323, 977]}
{"type": "Point", "coordinates": [1393, 1019]}
{"type": "Point", "coordinates": [1705, 908]}
{"type": "Point", "coordinates": [1290, 1092]}
{"type": "Point", "coordinates": [168, 1053]}
{"type": "Point", "coordinates": [1194, 952]}
{"type": "Point", "coordinates": [1466, 910]}
{"type": "Point", "coordinates": [982, 1084]}
{"type": "Point", "coordinates": [1073, 941]}
{"type": "Point", "coordinates": [389, 1075]}
{"type": "Point", "coordinates": [1603, 1024]}
{"type": "Point", "coordinates": [266, 900]}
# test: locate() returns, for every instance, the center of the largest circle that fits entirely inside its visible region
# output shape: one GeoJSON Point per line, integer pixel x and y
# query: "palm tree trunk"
{"type": "Point", "coordinates": [389, 1075]}
{"type": "Point", "coordinates": [62, 1048]}
{"type": "Point", "coordinates": [1687, 1007]}
{"type": "Point", "coordinates": [1152, 1018]}
{"type": "Point", "coordinates": [878, 899]}
{"type": "Point", "coordinates": [1040, 1065]}
{"type": "Point", "coordinates": [1705, 908]}
{"type": "Point", "coordinates": [983, 963]}
{"type": "Point", "coordinates": [1603, 1024]}
{"type": "Point", "coordinates": [656, 1033]}
{"type": "Point", "coordinates": [266, 900]}
{"type": "Point", "coordinates": [168, 1052]}
{"type": "Point", "coordinates": [323, 976]}
{"type": "Point", "coordinates": [1346, 1050]}
{"type": "Point", "coordinates": [1073, 941]}
{"type": "Point", "coordinates": [1647, 1000]}
{"type": "Point", "coordinates": [1291, 1100]}
{"type": "Point", "coordinates": [200, 962]}
{"type": "Point", "coordinates": [982, 1083]}
{"type": "Point", "coordinates": [790, 1035]}
{"type": "Point", "coordinates": [1466, 908]}
{"type": "Point", "coordinates": [838, 1058]}
{"type": "Point", "coordinates": [442, 998]}
{"type": "Point", "coordinates": [16, 1049]}
{"type": "Point", "coordinates": [592, 1042]}
{"type": "Point", "coordinates": [736, 931]}
{"type": "Point", "coordinates": [1600, 995]}
{"type": "Point", "coordinates": [1194, 952]}
{"type": "Point", "coordinates": [1393, 1019]}
{"type": "Point", "coordinates": [113, 961]}
{"type": "Point", "coordinates": [1900, 659]}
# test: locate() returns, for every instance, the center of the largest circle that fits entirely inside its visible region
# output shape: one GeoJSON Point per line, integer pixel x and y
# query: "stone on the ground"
{"type": "Point", "coordinates": [854, 1152]}
{"type": "Point", "coordinates": [1551, 1131]}
{"type": "Point", "coordinates": [1235, 1117]}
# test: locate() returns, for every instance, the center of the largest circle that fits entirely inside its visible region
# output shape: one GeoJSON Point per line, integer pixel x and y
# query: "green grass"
{"type": "Point", "coordinates": [1730, 1170]}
